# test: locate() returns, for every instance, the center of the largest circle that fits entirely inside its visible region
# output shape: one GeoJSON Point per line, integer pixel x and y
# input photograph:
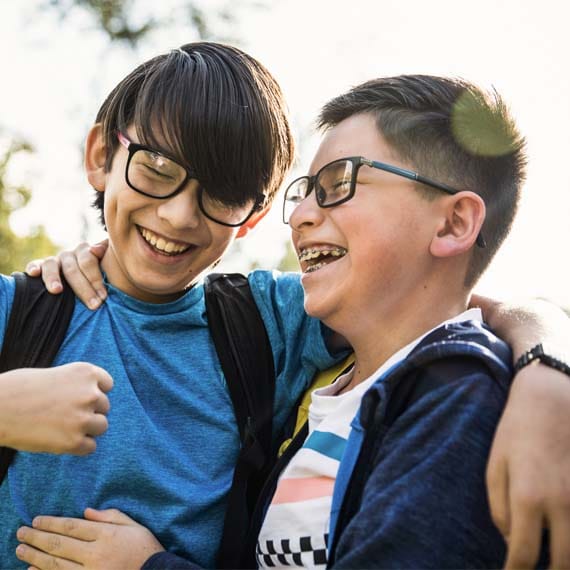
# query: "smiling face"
{"type": "Point", "coordinates": [157, 248]}
{"type": "Point", "coordinates": [363, 259]}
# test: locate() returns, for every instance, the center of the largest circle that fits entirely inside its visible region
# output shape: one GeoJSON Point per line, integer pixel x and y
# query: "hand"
{"type": "Point", "coordinates": [54, 410]}
{"type": "Point", "coordinates": [528, 475]}
{"type": "Point", "coordinates": [524, 326]}
{"type": "Point", "coordinates": [108, 540]}
{"type": "Point", "coordinates": [81, 269]}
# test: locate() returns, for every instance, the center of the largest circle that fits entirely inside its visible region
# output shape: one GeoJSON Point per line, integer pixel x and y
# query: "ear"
{"type": "Point", "coordinates": [462, 217]}
{"type": "Point", "coordinates": [95, 157]}
{"type": "Point", "coordinates": [252, 222]}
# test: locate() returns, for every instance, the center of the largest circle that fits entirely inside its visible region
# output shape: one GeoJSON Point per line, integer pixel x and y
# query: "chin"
{"type": "Point", "coordinates": [316, 307]}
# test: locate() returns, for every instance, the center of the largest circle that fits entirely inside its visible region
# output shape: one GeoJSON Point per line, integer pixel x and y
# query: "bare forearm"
{"type": "Point", "coordinates": [525, 325]}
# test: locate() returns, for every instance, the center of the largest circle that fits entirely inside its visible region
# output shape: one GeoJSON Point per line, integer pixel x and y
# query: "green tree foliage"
{"type": "Point", "coordinates": [129, 21]}
{"type": "Point", "coordinates": [16, 251]}
{"type": "Point", "coordinates": [289, 261]}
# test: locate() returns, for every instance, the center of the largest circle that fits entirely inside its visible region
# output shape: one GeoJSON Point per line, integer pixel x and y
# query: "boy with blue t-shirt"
{"type": "Point", "coordinates": [207, 113]}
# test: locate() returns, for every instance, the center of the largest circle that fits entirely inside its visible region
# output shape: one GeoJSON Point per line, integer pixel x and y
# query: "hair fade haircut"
{"type": "Point", "coordinates": [452, 131]}
{"type": "Point", "coordinates": [213, 108]}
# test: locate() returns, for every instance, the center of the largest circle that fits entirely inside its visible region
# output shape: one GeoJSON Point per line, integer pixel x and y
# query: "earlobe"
{"type": "Point", "coordinates": [95, 157]}
{"type": "Point", "coordinates": [252, 222]}
{"type": "Point", "coordinates": [462, 218]}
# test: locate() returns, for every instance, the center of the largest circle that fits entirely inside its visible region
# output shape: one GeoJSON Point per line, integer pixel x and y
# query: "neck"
{"type": "Point", "coordinates": [376, 335]}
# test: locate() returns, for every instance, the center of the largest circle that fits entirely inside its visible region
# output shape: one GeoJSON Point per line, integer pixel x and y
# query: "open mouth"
{"type": "Point", "coordinates": [313, 259]}
{"type": "Point", "coordinates": [162, 245]}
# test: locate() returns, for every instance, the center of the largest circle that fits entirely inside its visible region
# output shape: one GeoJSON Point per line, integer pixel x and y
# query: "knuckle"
{"type": "Point", "coordinates": [527, 498]}
{"type": "Point", "coordinates": [53, 543]}
{"type": "Point", "coordinates": [53, 564]}
{"type": "Point", "coordinates": [81, 247]}
{"type": "Point", "coordinates": [68, 264]}
{"type": "Point", "coordinates": [69, 525]}
{"type": "Point", "coordinates": [84, 254]}
{"type": "Point", "coordinates": [88, 446]}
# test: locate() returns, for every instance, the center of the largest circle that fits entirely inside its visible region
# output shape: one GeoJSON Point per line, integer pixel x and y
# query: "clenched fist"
{"type": "Point", "coordinates": [55, 410]}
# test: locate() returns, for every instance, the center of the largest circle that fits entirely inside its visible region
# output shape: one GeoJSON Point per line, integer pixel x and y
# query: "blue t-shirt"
{"type": "Point", "coordinates": [167, 459]}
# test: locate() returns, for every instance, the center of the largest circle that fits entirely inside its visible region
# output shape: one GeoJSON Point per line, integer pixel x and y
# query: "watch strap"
{"type": "Point", "coordinates": [538, 353]}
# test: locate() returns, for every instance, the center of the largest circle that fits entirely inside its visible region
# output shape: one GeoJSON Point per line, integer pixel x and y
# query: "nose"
{"type": "Point", "coordinates": [182, 211]}
{"type": "Point", "coordinates": [307, 213]}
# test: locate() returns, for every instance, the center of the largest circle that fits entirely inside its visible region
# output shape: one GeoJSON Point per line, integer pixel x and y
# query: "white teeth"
{"type": "Point", "coordinates": [161, 244]}
{"type": "Point", "coordinates": [314, 267]}
{"type": "Point", "coordinates": [310, 257]}
{"type": "Point", "coordinates": [309, 254]}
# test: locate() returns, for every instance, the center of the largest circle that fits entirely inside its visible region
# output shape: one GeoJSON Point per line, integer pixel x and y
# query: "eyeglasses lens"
{"type": "Point", "coordinates": [334, 182]}
{"type": "Point", "coordinates": [232, 214]}
{"type": "Point", "coordinates": [154, 174]}
{"type": "Point", "coordinates": [296, 192]}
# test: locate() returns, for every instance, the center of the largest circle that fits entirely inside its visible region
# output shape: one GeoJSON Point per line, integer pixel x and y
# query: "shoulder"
{"type": "Point", "coordinates": [457, 350]}
{"type": "Point", "coordinates": [263, 280]}
{"type": "Point", "coordinates": [275, 291]}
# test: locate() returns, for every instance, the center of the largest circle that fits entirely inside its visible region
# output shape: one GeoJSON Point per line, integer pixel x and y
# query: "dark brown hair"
{"type": "Point", "coordinates": [452, 131]}
{"type": "Point", "coordinates": [213, 108]}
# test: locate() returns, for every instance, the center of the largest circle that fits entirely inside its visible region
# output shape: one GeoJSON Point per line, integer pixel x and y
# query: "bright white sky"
{"type": "Point", "coordinates": [56, 73]}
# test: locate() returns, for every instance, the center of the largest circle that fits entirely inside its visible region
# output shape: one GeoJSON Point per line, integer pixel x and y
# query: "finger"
{"type": "Point", "coordinates": [97, 425]}
{"type": "Point", "coordinates": [42, 560]}
{"type": "Point", "coordinates": [51, 543]}
{"type": "Point", "coordinates": [498, 492]}
{"type": "Point", "coordinates": [34, 267]}
{"type": "Point", "coordinates": [102, 405]}
{"type": "Point", "coordinates": [80, 284]}
{"type": "Point", "coordinates": [50, 269]}
{"type": "Point", "coordinates": [113, 516]}
{"type": "Point", "coordinates": [66, 526]}
{"type": "Point", "coordinates": [524, 538]}
{"type": "Point", "coordinates": [100, 248]}
{"type": "Point", "coordinates": [89, 263]}
{"type": "Point", "coordinates": [559, 543]}
{"type": "Point", "coordinates": [85, 446]}
{"type": "Point", "coordinates": [104, 380]}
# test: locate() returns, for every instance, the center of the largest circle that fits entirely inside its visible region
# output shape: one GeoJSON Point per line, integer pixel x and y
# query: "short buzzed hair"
{"type": "Point", "coordinates": [452, 131]}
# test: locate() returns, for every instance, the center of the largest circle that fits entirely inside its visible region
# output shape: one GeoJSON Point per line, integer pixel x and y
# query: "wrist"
{"type": "Point", "coordinates": [542, 354]}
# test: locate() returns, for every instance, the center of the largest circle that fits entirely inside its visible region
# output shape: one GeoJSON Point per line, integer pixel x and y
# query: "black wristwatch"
{"type": "Point", "coordinates": [538, 353]}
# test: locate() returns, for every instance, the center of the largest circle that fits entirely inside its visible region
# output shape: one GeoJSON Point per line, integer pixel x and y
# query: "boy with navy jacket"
{"type": "Point", "coordinates": [412, 191]}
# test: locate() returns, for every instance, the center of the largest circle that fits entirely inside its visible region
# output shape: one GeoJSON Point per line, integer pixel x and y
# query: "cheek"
{"type": "Point", "coordinates": [221, 238]}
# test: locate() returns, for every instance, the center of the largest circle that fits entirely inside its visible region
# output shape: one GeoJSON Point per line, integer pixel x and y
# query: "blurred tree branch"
{"type": "Point", "coordinates": [16, 251]}
{"type": "Point", "coordinates": [118, 18]}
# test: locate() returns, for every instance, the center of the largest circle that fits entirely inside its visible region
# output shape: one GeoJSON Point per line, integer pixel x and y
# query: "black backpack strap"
{"type": "Point", "coordinates": [246, 357]}
{"type": "Point", "coordinates": [36, 328]}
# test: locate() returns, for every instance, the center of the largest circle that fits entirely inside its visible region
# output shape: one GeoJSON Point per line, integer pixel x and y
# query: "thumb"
{"type": "Point", "coordinates": [100, 248]}
{"type": "Point", "coordinates": [113, 516]}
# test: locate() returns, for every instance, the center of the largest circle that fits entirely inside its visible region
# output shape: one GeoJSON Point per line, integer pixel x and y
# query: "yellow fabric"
{"type": "Point", "coordinates": [321, 380]}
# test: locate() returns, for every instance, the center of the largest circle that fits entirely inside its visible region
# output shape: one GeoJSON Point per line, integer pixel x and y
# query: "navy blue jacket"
{"type": "Point", "coordinates": [410, 491]}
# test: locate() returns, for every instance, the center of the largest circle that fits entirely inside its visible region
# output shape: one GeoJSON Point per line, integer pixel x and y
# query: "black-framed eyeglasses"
{"type": "Point", "coordinates": [155, 175]}
{"type": "Point", "coordinates": [335, 183]}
